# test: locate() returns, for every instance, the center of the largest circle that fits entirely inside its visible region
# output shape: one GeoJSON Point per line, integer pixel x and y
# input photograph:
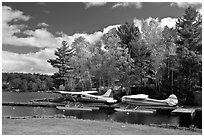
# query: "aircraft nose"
{"type": "Point", "coordinates": [123, 99]}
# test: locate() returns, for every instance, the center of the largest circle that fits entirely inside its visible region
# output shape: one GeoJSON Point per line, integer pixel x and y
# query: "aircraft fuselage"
{"type": "Point", "coordinates": [144, 102]}
{"type": "Point", "coordinates": [88, 99]}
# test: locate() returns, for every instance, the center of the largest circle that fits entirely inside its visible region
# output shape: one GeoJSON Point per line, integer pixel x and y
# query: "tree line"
{"type": "Point", "coordinates": [152, 60]}
{"type": "Point", "coordinates": [26, 82]}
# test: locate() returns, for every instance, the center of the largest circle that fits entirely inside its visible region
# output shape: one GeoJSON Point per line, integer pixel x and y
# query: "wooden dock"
{"type": "Point", "coordinates": [106, 107]}
{"type": "Point", "coordinates": [184, 111]}
{"type": "Point", "coordinates": [136, 110]}
{"type": "Point", "coordinates": [64, 108]}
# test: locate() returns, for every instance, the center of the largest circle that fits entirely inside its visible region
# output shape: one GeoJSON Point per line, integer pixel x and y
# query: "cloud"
{"type": "Point", "coordinates": [91, 38]}
{"type": "Point", "coordinates": [119, 4]}
{"type": "Point", "coordinates": [41, 3]}
{"type": "Point", "coordinates": [46, 11]}
{"type": "Point", "coordinates": [197, 5]}
{"type": "Point", "coordinates": [186, 4]}
{"type": "Point", "coordinates": [94, 4]}
{"type": "Point", "coordinates": [138, 23]}
{"type": "Point", "coordinates": [168, 21]}
{"type": "Point", "coordinates": [8, 15]}
{"type": "Point", "coordinates": [39, 37]}
{"type": "Point", "coordinates": [42, 24]}
{"type": "Point", "coordinates": [28, 63]}
{"type": "Point", "coordinates": [128, 4]}
{"type": "Point", "coordinates": [36, 38]}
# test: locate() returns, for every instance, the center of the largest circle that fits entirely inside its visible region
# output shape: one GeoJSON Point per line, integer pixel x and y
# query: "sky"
{"type": "Point", "coordinates": [31, 31]}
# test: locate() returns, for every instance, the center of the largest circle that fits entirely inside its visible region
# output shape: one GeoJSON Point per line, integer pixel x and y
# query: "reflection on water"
{"type": "Point", "coordinates": [21, 111]}
{"type": "Point", "coordinates": [103, 115]}
{"type": "Point", "coordinates": [131, 117]}
{"type": "Point", "coordinates": [26, 96]}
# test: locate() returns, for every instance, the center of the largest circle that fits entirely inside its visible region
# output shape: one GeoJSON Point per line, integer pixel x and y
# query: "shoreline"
{"type": "Point", "coordinates": [47, 125]}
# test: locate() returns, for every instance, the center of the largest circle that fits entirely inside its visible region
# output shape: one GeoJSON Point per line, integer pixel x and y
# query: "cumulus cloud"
{"type": "Point", "coordinates": [168, 21]}
{"type": "Point", "coordinates": [46, 11]}
{"type": "Point", "coordinates": [94, 4]}
{"type": "Point", "coordinates": [186, 4]}
{"type": "Point", "coordinates": [197, 5]}
{"type": "Point", "coordinates": [91, 38]}
{"type": "Point", "coordinates": [138, 23]}
{"type": "Point", "coordinates": [128, 4]}
{"type": "Point", "coordinates": [8, 15]}
{"type": "Point", "coordinates": [39, 37]}
{"type": "Point", "coordinates": [28, 63]}
{"type": "Point", "coordinates": [42, 24]}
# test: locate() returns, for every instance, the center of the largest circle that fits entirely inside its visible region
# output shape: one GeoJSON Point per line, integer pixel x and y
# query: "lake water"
{"type": "Point", "coordinates": [104, 115]}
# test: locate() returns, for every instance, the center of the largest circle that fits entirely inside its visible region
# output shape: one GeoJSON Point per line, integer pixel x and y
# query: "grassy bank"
{"type": "Point", "coordinates": [70, 126]}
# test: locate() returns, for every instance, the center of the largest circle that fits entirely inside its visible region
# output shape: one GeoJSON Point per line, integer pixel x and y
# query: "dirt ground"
{"type": "Point", "coordinates": [70, 126]}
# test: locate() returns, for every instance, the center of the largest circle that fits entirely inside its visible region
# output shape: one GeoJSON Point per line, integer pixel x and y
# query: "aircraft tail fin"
{"type": "Point", "coordinates": [172, 100]}
{"type": "Point", "coordinates": [108, 93]}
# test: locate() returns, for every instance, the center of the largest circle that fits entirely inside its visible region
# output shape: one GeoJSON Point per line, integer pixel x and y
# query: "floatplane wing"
{"type": "Point", "coordinates": [87, 96]}
{"type": "Point", "coordinates": [77, 93]}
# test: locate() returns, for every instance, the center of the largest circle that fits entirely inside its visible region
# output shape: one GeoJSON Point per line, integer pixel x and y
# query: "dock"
{"type": "Point", "coordinates": [136, 110]}
{"type": "Point", "coordinates": [184, 111]}
{"type": "Point", "coordinates": [106, 107]}
{"type": "Point", "coordinates": [64, 108]}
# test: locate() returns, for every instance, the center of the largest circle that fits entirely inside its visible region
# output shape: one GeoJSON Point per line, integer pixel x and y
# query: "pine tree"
{"type": "Point", "coordinates": [127, 33]}
{"type": "Point", "coordinates": [189, 48]}
{"type": "Point", "coordinates": [130, 37]}
{"type": "Point", "coordinates": [62, 62]}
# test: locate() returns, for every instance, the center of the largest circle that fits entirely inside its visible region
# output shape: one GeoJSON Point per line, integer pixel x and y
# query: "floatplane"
{"type": "Point", "coordinates": [143, 100]}
{"type": "Point", "coordinates": [87, 96]}
{"type": "Point", "coordinates": [101, 101]}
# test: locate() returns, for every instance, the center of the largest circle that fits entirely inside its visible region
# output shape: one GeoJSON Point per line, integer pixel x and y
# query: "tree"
{"type": "Point", "coordinates": [62, 62]}
{"type": "Point", "coordinates": [24, 85]}
{"type": "Point", "coordinates": [142, 60]}
{"type": "Point", "coordinates": [127, 33]}
{"type": "Point", "coordinates": [49, 82]}
{"type": "Point", "coordinates": [169, 69]}
{"type": "Point", "coordinates": [16, 83]}
{"type": "Point", "coordinates": [44, 85]}
{"type": "Point", "coordinates": [34, 87]}
{"type": "Point", "coordinates": [189, 49]}
{"type": "Point", "coordinates": [80, 61]}
{"type": "Point", "coordinates": [140, 53]}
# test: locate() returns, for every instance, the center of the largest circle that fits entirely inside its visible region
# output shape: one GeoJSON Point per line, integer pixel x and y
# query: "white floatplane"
{"type": "Point", "coordinates": [143, 100]}
{"type": "Point", "coordinates": [87, 96]}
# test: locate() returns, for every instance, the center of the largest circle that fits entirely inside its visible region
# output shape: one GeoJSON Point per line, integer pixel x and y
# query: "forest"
{"type": "Point", "coordinates": [151, 60]}
{"type": "Point", "coordinates": [23, 82]}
